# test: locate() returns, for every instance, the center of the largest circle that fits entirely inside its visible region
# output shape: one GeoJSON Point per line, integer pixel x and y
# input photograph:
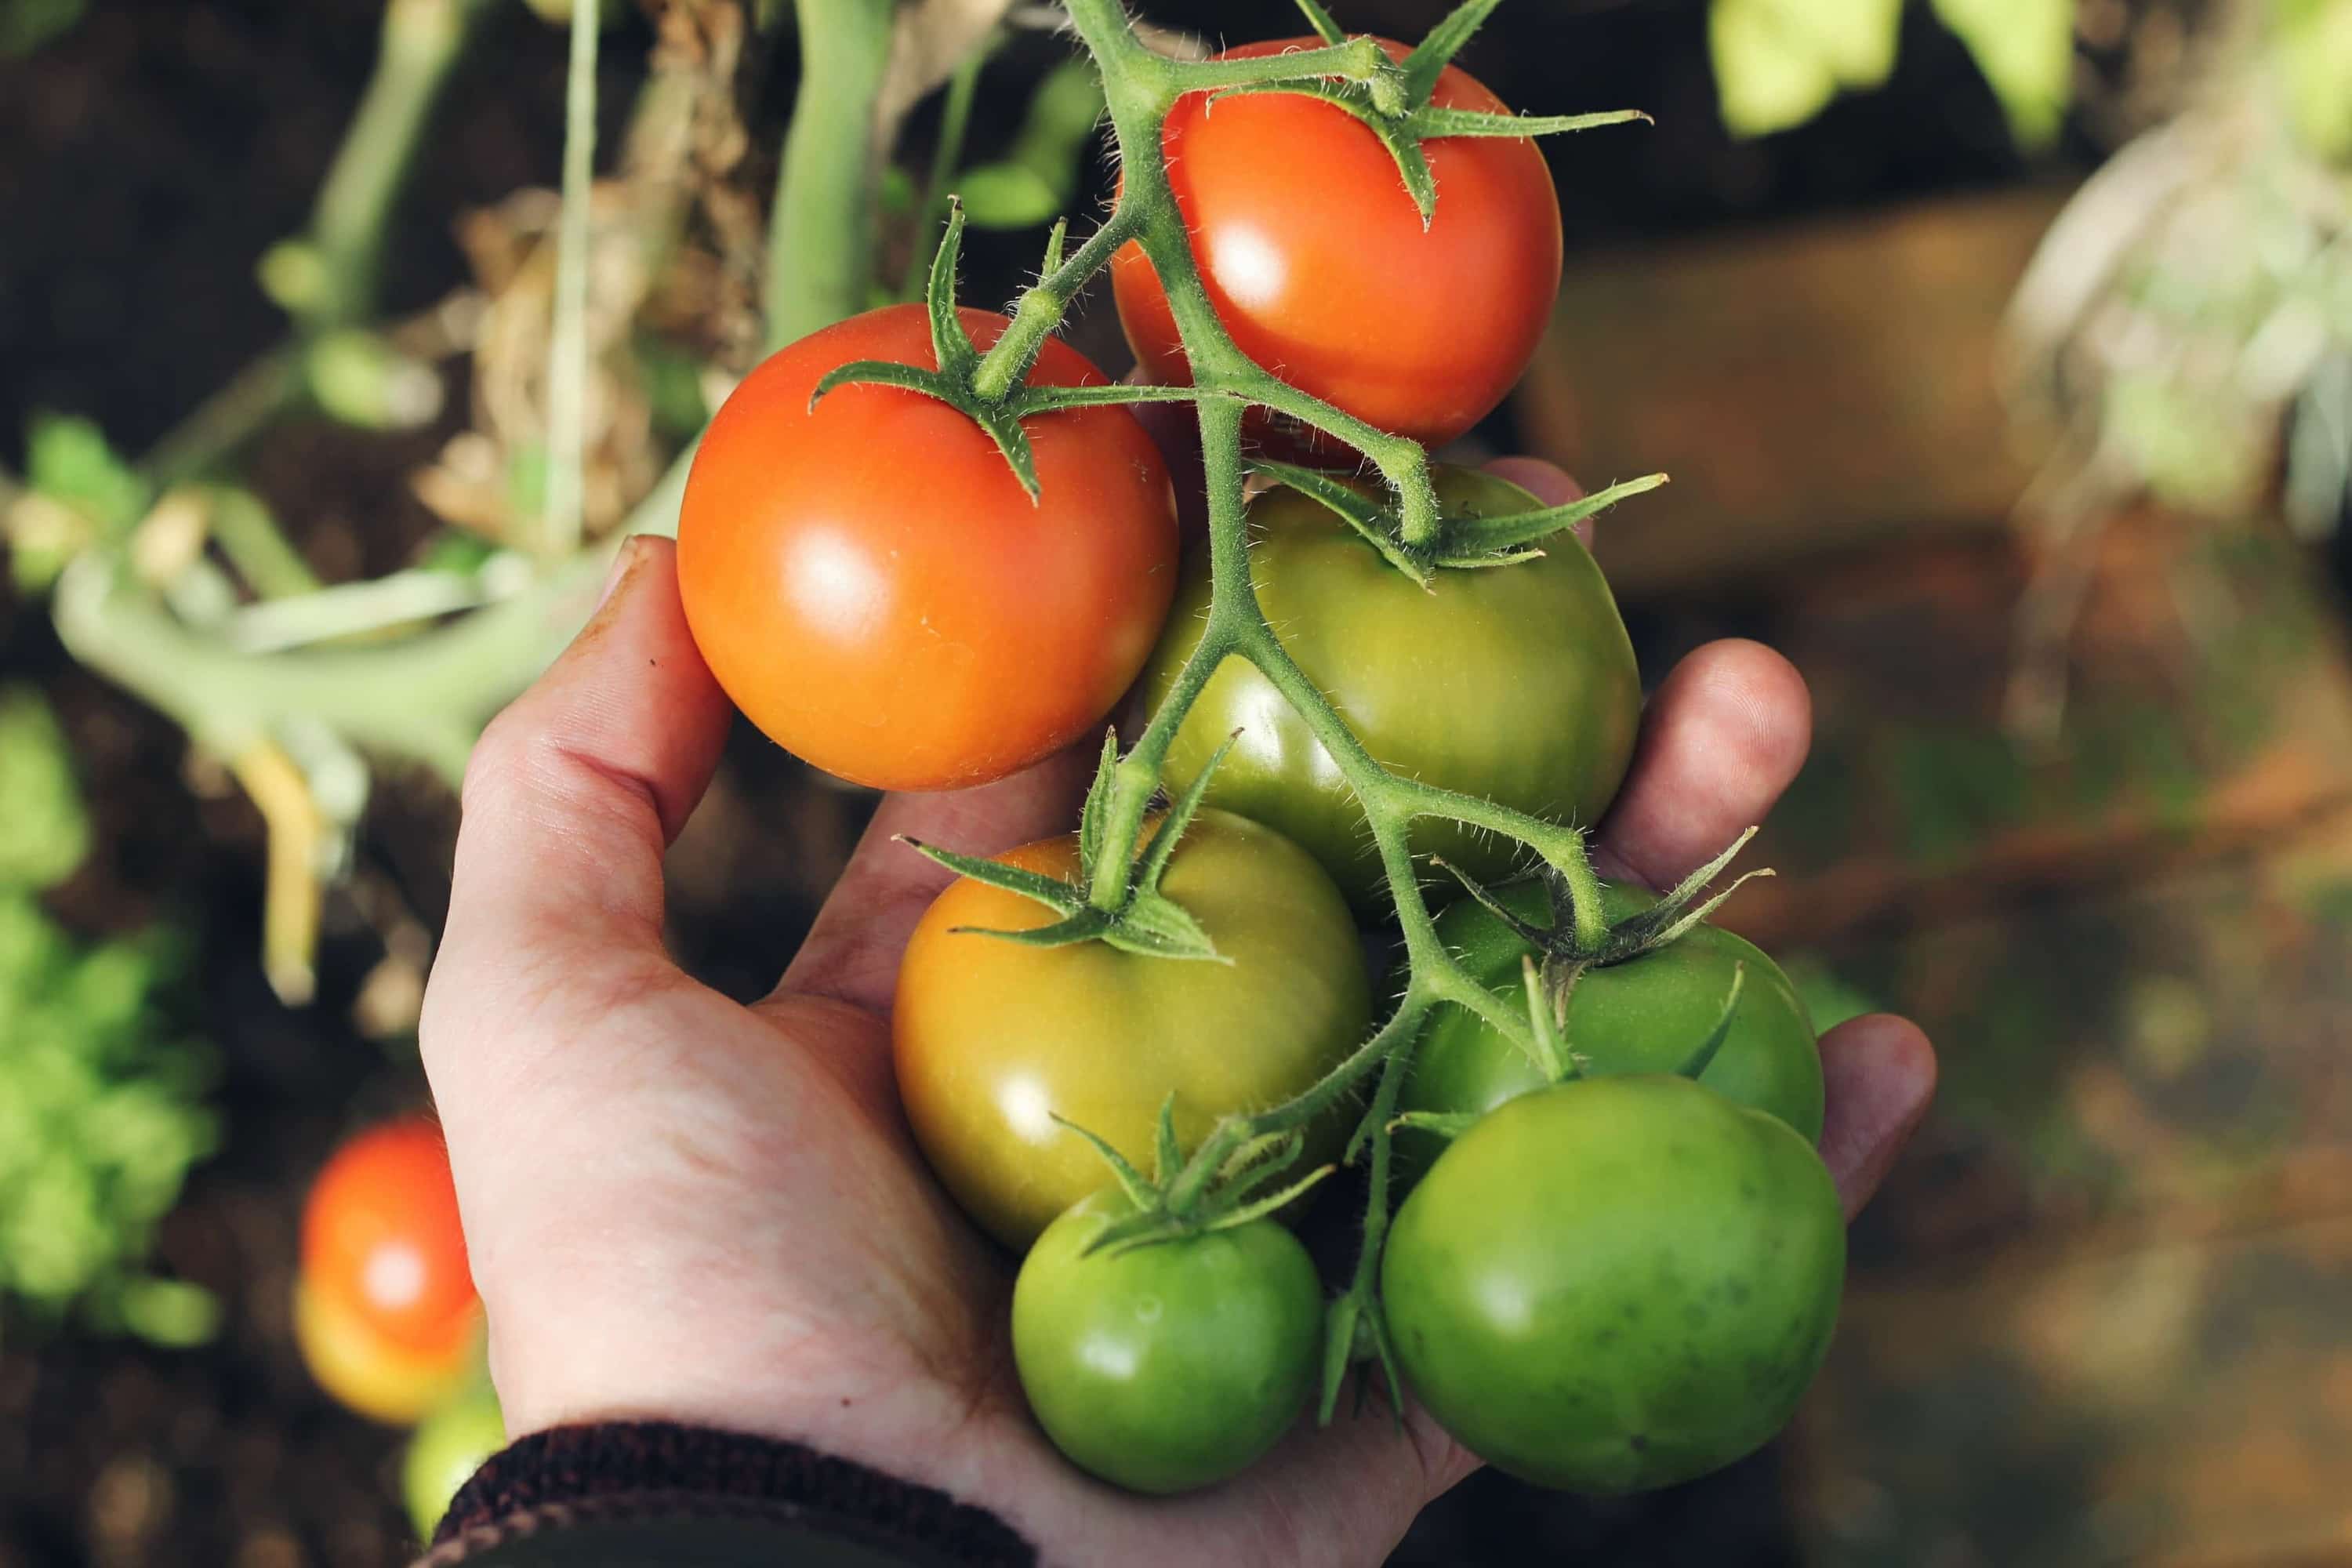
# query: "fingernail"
{"type": "Point", "coordinates": [624, 561]}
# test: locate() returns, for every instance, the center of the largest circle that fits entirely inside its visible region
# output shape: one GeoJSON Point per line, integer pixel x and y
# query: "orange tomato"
{"type": "Point", "coordinates": [382, 1243]}
{"type": "Point", "coordinates": [1316, 260]}
{"type": "Point", "coordinates": [368, 1372]}
{"type": "Point", "coordinates": [870, 583]}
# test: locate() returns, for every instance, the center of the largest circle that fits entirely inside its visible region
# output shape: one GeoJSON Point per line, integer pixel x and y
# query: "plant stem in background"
{"type": "Point", "coordinates": [567, 370]}
{"type": "Point", "coordinates": [821, 232]}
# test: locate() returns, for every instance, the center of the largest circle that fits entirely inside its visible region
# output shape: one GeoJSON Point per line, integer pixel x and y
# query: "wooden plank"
{"type": "Point", "coordinates": [1805, 388]}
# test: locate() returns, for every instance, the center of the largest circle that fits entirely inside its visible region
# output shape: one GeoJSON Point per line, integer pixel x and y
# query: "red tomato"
{"type": "Point", "coordinates": [1317, 263]}
{"type": "Point", "coordinates": [876, 591]}
{"type": "Point", "coordinates": [381, 1241]}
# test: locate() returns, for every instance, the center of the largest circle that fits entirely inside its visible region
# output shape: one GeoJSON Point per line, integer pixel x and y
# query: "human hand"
{"type": "Point", "coordinates": [682, 1208]}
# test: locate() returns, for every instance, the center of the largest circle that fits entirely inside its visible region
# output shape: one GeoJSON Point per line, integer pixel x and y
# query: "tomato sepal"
{"type": "Point", "coordinates": [1393, 102]}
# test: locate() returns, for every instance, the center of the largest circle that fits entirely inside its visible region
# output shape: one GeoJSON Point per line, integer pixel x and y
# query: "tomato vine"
{"type": "Point", "coordinates": [1140, 88]}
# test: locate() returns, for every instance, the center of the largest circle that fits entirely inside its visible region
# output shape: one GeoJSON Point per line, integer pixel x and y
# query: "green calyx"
{"type": "Point", "coordinates": [990, 389]}
{"type": "Point", "coordinates": [1577, 939]}
{"type": "Point", "coordinates": [1460, 542]}
{"type": "Point", "coordinates": [1395, 102]}
{"type": "Point", "coordinates": [1139, 918]}
{"type": "Point", "coordinates": [1175, 1201]}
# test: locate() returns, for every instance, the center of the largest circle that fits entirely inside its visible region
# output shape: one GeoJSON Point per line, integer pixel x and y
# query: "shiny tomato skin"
{"type": "Point", "coordinates": [1169, 1367]}
{"type": "Point", "coordinates": [871, 586]}
{"type": "Point", "coordinates": [1314, 257]}
{"type": "Point", "coordinates": [381, 1241]}
{"type": "Point", "coordinates": [371, 1374]}
{"type": "Point", "coordinates": [993, 1039]}
{"type": "Point", "coordinates": [1645, 1015]}
{"type": "Point", "coordinates": [1515, 683]}
{"type": "Point", "coordinates": [1616, 1284]}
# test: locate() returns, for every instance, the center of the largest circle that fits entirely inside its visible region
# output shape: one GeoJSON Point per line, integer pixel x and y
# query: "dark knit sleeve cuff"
{"type": "Point", "coordinates": [641, 1474]}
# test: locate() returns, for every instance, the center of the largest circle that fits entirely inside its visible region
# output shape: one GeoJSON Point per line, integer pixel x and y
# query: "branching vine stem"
{"type": "Point", "coordinates": [1141, 88]}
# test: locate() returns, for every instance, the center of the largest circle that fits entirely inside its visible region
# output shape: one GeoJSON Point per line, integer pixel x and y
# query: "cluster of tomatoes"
{"type": "Point", "coordinates": [385, 1311]}
{"type": "Point", "coordinates": [1618, 1274]}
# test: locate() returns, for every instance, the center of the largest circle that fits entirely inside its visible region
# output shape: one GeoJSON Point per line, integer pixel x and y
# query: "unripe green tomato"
{"type": "Point", "coordinates": [447, 1448]}
{"type": "Point", "coordinates": [1515, 683]}
{"type": "Point", "coordinates": [1171, 1367]}
{"type": "Point", "coordinates": [1617, 1283]}
{"type": "Point", "coordinates": [1647, 1014]}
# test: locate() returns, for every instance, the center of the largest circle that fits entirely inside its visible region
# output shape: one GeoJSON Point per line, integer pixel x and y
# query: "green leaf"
{"type": "Point", "coordinates": [1008, 196]}
{"type": "Point", "coordinates": [1093, 819]}
{"type": "Point", "coordinates": [1479, 535]}
{"type": "Point", "coordinates": [1058, 896]}
{"type": "Point", "coordinates": [1153, 925]}
{"type": "Point", "coordinates": [27, 25]}
{"type": "Point", "coordinates": [2026, 50]}
{"type": "Point", "coordinates": [1438, 48]}
{"type": "Point", "coordinates": [67, 459]}
{"type": "Point", "coordinates": [951, 344]}
{"type": "Point", "coordinates": [1373, 522]}
{"type": "Point", "coordinates": [1167, 1155]}
{"type": "Point", "coordinates": [1153, 863]}
{"type": "Point", "coordinates": [1447, 1124]}
{"type": "Point", "coordinates": [1004, 427]}
{"type": "Point", "coordinates": [1138, 1192]}
{"type": "Point", "coordinates": [881, 373]}
{"type": "Point", "coordinates": [1428, 122]}
{"type": "Point", "coordinates": [1702, 1058]}
{"type": "Point", "coordinates": [1778, 62]}
{"type": "Point", "coordinates": [43, 830]}
{"type": "Point", "coordinates": [1087, 925]}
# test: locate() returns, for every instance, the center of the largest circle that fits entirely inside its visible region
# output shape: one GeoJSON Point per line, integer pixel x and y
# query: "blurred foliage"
{"type": "Point", "coordinates": [1830, 997]}
{"type": "Point", "coordinates": [27, 25]}
{"type": "Point", "coordinates": [1038, 179]}
{"type": "Point", "coordinates": [101, 1108]}
{"type": "Point", "coordinates": [2314, 51]}
{"type": "Point", "coordinates": [78, 490]}
{"type": "Point", "coordinates": [1778, 63]}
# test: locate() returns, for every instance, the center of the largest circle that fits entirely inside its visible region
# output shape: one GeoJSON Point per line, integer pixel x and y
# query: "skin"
{"type": "Point", "coordinates": [1645, 1015]}
{"type": "Point", "coordinates": [744, 1236]}
{"type": "Point", "coordinates": [903, 614]}
{"type": "Point", "coordinates": [1517, 684]}
{"type": "Point", "coordinates": [1618, 1284]}
{"type": "Point", "coordinates": [990, 1038]}
{"type": "Point", "coordinates": [1298, 251]}
{"type": "Point", "coordinates": [381, 1242]}
{"type": "Point", "coordinates": [1166, 1368]}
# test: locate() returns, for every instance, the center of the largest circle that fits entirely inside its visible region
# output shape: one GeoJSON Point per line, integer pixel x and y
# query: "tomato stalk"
{"type": "Point", "coordinates": [821, 230]}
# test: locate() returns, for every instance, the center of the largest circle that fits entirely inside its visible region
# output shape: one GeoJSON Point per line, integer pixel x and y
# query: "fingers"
{"type": "Point", "coordinates": [1720, 739]}
{"type": "Point", "coordinates": [575, 790]}
{"type": "Point", "coordinates": [1879, 1073]}
{"type": "Point", "coordinates": [851, 952]}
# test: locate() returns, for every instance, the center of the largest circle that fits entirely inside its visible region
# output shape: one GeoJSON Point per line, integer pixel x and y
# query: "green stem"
{"type": "Point", "coordinates": [1042, 305]}
{"type": "Point", "coordinates": [423, 41]}
{"type": "Point", "coordinates": [821, 233]}
{"type": "Point", "coordinates": [567, 368]}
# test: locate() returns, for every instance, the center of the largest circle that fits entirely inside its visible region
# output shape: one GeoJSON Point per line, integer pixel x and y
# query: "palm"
{"type": "Point", "coordinates": [684, 1208]}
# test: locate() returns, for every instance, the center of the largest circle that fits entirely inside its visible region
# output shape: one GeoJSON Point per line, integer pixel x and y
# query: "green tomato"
{"type": "Point", "coordinates": [1171, 1367]}
{"type": "Point", "coordinates": [1515, 683]}
{"type": "Point", "coordinates": [1616, 1284]}
{"type": "Point", "coordinates": [1645, 1015]}
{"type": "Point", "coordinates": [448, 1446]}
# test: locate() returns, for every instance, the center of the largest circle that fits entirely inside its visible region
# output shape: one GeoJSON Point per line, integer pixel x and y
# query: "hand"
{"type": "Point", "coordinates": [682, 1208]}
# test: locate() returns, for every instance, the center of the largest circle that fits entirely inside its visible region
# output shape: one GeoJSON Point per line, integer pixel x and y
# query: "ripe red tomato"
{"type": "Point", "coordinates": [875, 590]}
{"type": "Point", "coordinates": [1317, 263]}
{"type": "Point", "coordinates": [382, 1245]}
